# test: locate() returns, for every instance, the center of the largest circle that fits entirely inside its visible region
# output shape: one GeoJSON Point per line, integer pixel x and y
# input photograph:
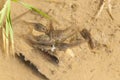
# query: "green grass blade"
{"type": "Point", "coordinates": [3, 12]}
{"type": "Point", "coordinates": [15, 0]}
{"type": "Point", "coordinates": [45, 15]}
{"type": "Point", "coordinates": [36, 10]}
{"type": "Point", "coordinates": [10, 29]}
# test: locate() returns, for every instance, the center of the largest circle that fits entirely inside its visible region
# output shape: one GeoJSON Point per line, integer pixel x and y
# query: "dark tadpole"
{"type": "Point", "coordinates": [87, 36]}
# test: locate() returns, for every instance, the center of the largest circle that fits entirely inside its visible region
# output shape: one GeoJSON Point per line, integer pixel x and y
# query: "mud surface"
{"type": "Point", "coordinates": [101, 63]}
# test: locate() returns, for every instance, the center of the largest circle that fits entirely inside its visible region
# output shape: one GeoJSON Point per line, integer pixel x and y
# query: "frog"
{"type": "Point", "coordinates": [53, 40]}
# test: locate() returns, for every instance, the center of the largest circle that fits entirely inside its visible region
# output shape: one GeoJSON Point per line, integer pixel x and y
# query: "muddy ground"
{"type": "Point", "coordinates": [100, 63]}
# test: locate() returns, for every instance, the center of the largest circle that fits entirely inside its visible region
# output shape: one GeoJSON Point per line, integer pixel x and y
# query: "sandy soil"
{"type": "Point", "coordinates": [101, 63]}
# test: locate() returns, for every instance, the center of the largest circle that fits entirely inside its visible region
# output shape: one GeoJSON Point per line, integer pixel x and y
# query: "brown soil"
{"type": "Point", "coordinates": [101, 63]}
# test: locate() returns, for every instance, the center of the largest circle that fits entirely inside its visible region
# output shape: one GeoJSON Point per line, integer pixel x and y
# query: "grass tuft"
{"type": "Point", "coordinates": [6, 26]}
